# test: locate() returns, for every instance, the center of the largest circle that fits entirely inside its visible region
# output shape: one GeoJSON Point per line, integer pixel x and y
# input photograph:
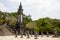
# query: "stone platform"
{"type": "Point", "coordinates": [25, 38]}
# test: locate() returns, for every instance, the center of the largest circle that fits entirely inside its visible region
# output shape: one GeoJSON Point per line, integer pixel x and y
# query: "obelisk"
{"type": "Point", "coordinates": [20, 19]}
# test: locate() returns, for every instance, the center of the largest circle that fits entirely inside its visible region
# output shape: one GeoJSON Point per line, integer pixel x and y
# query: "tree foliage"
{"type": "Point", "coordinates": [42, 24]}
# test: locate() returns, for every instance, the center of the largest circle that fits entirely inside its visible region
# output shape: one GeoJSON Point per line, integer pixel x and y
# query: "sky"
{"type": "Point", "coordinates": [36, 8]}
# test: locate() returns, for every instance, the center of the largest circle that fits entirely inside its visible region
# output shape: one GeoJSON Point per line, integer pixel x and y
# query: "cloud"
{"type": "Point", "coordinates": [43, 8]}
{"type": "Point", "coordinates": [12, 1]}
{"type": "Point", "coordinates": [3, 8]}
{"type": "Point", "coordinates": [37, 8]}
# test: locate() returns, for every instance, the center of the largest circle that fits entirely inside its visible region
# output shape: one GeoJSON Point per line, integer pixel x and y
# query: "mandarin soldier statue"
{"type": "Point", "coordinates": [55, 32]}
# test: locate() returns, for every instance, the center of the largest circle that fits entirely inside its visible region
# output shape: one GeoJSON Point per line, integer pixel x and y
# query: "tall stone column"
{"type": "Point", "coordinates": [20, 20]}
{"type": "Point", "coordinates": [19, 24]}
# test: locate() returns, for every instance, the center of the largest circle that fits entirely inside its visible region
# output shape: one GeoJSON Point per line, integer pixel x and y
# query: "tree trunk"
{"type": "Point", "coordinates": [41, 34]}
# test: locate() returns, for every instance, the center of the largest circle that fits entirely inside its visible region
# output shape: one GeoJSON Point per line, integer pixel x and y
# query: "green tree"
{"type": "Point", "coordinates": [30, 26]}
{"type": "Point", "coordinates": [1, 20]}
{"type": "Point", "coordinates": [11, 20]}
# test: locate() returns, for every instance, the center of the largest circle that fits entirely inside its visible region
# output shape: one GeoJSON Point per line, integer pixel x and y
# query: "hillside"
{"type": "Point", "coordinates": [4, 30]}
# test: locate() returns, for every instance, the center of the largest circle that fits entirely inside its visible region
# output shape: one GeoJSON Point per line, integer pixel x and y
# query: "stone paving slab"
{"type": "Point", "coordinates": [25, 38]}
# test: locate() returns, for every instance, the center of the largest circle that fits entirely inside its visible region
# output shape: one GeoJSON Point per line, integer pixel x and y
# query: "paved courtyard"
{"type": "Point", "coordinates": [25, 38]}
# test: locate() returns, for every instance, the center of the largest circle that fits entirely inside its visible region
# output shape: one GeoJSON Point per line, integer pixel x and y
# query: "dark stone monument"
{"type": "Point", "coordinates": [19, 23]}
{"type": "Point", "coordinates": [55, 32]}
{"type": "Point", "coordinates": [36, 35]}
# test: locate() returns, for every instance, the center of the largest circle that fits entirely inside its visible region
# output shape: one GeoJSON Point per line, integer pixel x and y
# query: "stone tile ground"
{"type": "Point", "coordinates": [25, 38]}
